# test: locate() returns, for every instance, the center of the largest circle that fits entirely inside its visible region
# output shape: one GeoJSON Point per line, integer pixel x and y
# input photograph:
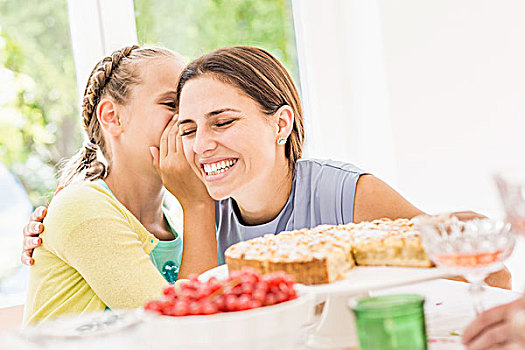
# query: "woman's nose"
{"type": "Point", "coordinates": [204, 141]}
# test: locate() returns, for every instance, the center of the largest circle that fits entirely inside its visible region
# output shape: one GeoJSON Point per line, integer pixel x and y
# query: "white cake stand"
{"type": "Point", "coordinates": [336, 327]}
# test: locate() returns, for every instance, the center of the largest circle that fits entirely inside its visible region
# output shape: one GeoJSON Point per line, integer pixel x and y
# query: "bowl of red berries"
{"type": "Point", "coordinates": [244, 310]}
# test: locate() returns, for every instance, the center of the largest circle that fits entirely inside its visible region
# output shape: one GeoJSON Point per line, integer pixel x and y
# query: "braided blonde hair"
{"type": "Point", "coordinates": [113, 76]}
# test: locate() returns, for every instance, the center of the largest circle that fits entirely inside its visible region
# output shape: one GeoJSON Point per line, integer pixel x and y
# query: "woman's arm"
{"type": "Point", "coordinates": [31, 233]}
{"type": "Point", "coordinates": [374, 199]}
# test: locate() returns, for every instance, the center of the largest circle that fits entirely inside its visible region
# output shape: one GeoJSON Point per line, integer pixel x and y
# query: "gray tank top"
{"type": "Point", "coordinates": [322, 192]}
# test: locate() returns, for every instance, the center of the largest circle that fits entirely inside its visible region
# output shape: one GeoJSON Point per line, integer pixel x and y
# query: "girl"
{"type": "Point", "coordinates": [107, 242]}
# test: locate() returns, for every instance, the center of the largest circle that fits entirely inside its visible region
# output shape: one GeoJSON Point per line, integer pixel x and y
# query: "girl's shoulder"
{"type": "Point", "coordinates": [83, 201]}
{"type": "Point", "coordinates": [85, 213]}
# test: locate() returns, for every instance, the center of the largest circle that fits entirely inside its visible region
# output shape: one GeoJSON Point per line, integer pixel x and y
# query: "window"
{"type": "Point", "coordinates": [39, 119]}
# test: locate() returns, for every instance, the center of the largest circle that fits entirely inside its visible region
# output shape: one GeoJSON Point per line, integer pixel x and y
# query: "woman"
{"type": "Point", "coordinates": [250, 116]}
{"type": "Point", "coordinates": [107, 242]}
{"type": "Point", "coordinates": [242, 132]}
{"type": "Point", "coordinates": [242, 129]}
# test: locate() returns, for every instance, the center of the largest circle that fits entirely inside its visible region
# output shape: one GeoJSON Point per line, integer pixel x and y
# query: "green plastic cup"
{"type": "Point", "coordinates": [391, 322]}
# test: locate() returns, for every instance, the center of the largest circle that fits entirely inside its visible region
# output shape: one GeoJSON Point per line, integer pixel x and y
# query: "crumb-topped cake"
{"type": "Point", "coordinates": [326, 253]}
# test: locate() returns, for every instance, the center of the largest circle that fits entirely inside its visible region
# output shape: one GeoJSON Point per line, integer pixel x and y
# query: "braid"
{"type": "Point", "coordinates": [97, 81]}
{"type": "Point", "coordinates": [86, 160]}
{"type": "Point", "coordinates": [88, 156]}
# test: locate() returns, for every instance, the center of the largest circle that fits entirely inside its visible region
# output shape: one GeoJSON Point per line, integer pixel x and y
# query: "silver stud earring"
{"type": "Point", "coordinates": [281, 141]}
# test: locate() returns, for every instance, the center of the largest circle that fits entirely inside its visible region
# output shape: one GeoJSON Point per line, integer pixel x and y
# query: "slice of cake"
{"type": "Point", "coordinates": [309, 258]}
{"type": "Point", "coordinates": [326, 253]}
{"type": "Point", "coordinates": [388, 243]}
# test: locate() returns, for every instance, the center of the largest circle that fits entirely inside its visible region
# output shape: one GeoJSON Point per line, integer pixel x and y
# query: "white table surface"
{"type": "Point", "coordinates": [448, 310]}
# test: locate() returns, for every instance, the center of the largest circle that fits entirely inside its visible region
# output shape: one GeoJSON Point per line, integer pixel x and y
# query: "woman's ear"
{"type": "Point", "coordinates": [108, 117]}
{"type": "Point", "coordinates": [285, 119]}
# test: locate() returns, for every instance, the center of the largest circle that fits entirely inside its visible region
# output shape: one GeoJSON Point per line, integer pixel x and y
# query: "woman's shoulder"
{"type": "Point", "coordinates": [326, 180]}
{"type": "Point", "coordinates": [325, 191]}
{"type": "Point", "coordinates": [326, 167]}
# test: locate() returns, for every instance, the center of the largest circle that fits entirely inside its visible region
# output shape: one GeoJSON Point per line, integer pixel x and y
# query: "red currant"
{"type": "Point", "coordinates": [232, 303]}
{"type": "Point", "coordinates": [244, 302]}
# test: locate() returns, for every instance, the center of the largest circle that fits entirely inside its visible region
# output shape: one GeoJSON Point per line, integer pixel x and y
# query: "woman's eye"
{"type": "Point", "coordinates": [224, 123]}
{"type": "Point", "coordinates": [187, 132]}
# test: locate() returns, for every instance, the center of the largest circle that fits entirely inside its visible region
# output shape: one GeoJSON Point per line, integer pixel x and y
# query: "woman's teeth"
{"type": "Point", "coordinates": [219, 167]}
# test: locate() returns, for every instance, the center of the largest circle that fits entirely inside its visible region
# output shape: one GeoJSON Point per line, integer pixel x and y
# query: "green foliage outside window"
{"type": "Point", "coordinates": [39, 120]}
{"type": "Point", "coordinates": [195, 27]}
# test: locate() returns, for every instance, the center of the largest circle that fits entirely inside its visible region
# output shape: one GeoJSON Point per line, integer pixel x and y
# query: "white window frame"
{"type": "Point", "coordinates": [98, 27]}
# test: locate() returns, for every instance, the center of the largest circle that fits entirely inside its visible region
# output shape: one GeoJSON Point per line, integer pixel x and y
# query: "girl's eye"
{"type": "Point", "coordinates": [187, 132]}
{"type": "Point", "coordinates": [169, 104]}
{"type": "Point", "coordinates": [224, 123]}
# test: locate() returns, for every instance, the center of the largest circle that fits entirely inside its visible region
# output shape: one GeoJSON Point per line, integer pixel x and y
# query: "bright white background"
{"type": "Point", "coordinates": [428, 95]}
{"type": "Point", "coordinates": [456, 77]}
{"type": "Point", "coordinates": [446, 77]}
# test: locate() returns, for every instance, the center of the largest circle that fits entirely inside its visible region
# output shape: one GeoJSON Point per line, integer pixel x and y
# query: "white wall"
{"type": "Point", "coordinates": [453, 112]}
{"type": "Point", "coordinates": [428, 95]}
{"type": "Point", "coordinates": [456, 78]}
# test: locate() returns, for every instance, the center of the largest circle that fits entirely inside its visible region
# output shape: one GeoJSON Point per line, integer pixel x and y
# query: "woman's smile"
{"type": "Point", "coordinates": [217, 169]}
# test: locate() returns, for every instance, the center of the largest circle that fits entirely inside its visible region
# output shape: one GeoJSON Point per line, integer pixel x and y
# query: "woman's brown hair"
{"type": "Point", "coordinates": [260, 76]}
{"type": "Point", "coordinates": [114, 76]}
